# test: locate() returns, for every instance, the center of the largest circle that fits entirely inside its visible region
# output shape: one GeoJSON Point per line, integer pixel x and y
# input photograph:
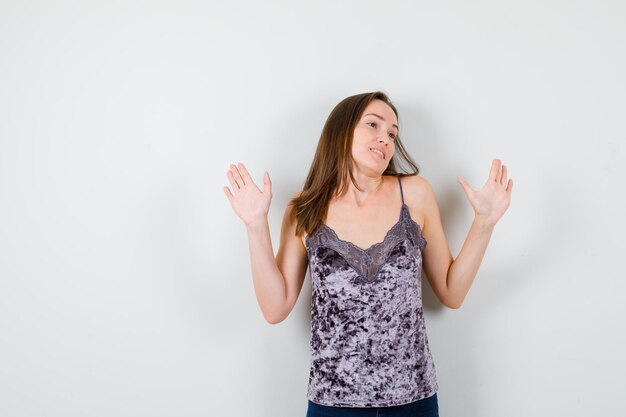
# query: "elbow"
{"type": "Point", "coordinates": [453, 304]}
{"type": "Point", "coordinates": [451, 299]}
{"type": "Point", "coordinates": [275, 317]}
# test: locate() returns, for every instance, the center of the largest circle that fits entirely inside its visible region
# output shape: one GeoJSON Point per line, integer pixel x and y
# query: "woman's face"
{"type": "Point", "coordinates": [373, 144]}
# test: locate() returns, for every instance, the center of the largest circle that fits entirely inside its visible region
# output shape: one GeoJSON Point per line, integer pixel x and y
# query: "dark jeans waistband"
{"type": "Point", "coordinates": [427, 407]}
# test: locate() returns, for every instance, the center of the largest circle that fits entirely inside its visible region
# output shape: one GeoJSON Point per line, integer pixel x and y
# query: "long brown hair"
{"type": "Point", "coordinates": [333, 162]}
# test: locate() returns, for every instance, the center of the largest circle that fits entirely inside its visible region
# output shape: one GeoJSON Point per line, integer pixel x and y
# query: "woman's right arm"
{"type": "Point", "coordinates": [277, 280]}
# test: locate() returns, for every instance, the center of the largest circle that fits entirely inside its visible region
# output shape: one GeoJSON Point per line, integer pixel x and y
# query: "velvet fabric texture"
{"type": "Point", "coordinates": [369, 346]}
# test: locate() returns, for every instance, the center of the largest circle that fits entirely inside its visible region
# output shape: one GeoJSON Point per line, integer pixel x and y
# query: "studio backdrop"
{"type": "Point", "coordinates": [125, 280]}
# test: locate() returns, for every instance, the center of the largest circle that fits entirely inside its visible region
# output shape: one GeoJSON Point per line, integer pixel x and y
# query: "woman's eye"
{"type": "Point", "coordinates": [373, 124]}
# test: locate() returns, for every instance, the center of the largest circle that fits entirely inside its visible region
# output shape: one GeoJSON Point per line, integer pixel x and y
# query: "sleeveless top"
{"type": "Point", "coordinates": [368, 336]}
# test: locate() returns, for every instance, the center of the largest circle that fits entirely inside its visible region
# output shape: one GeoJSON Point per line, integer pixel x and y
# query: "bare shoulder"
{"type": "Point", "coordinates": [418, 194]}
{"type": "Point", "coordinates": [288, 238]}
{"type": "Point", "coordinates": [291, 219]}
{"type": "Point", "coordinates": [288, 216]}
{"type": "Point", "coordinates": [416, 184]}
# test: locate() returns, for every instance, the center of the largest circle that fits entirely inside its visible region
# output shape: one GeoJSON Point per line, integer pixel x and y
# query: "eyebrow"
{"type": "Point", "coordinates": [374, 114]}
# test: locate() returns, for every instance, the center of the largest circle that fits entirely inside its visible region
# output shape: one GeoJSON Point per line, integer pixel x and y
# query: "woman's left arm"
{"type": "Point", "coordinates": [450, 278]}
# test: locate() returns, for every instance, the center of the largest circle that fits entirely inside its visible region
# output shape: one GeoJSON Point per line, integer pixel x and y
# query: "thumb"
{"type": "Point", "coordinates": [464, 184]}
{"type": "Point", "coordinates": [267, 183]}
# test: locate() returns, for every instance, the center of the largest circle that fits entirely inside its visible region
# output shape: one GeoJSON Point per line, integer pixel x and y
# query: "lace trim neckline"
{"type": "Point", "coordinates": [368, 262]}
{"type": "Point", "coordinates": [373, 246]}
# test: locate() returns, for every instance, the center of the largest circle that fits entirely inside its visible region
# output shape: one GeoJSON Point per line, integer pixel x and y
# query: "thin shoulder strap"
{"type": "Point", "coordinates": [401, 193]}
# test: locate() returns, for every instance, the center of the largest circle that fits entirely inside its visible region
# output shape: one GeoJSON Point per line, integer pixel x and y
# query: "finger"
{"type": "Point", "coordinates": [267, 183]}
{"type": "Point", "coordinates": [247, 179]}
{"type": "Point", "coordinates": [232, 181]}
{"type": "Point", "coordinates": [503, 181]}
{"type": "Point", "coordinates": [510, 186]}
{"type": "Point", "coordinates": [495, 167]}
{"type": "Point", "coordinates": [464, 184]}
{"type": "Point", "coordinates": [229, 195]}
{"type": "Point", "coordinates": [237, 175]}
{"type": "Point", "coordinates": [499, 174]}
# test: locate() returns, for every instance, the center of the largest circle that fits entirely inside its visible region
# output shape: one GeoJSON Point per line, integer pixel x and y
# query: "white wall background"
{"type": "Point", "coordinates": [125, 286]}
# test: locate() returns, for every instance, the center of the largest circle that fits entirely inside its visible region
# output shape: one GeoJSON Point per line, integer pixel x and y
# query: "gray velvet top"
{"type": "Point", "coordinates": [368, 336]}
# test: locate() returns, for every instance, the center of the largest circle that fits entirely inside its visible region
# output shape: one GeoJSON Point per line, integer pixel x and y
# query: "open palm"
{"type": "Point", "coordinates": [247, 200]}
{"type": "Point", "coordinates": [493, 199]}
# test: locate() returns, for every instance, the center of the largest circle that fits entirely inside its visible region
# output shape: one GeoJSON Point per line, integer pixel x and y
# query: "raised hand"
{"type": "Point", "coordinates": [494, 198]}
{"type": "Point", "coordinates": [247, 200]}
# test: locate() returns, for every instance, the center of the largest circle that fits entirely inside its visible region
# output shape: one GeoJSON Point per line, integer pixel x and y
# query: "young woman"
{"type": "Point", "coordinates": [365, 230]}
